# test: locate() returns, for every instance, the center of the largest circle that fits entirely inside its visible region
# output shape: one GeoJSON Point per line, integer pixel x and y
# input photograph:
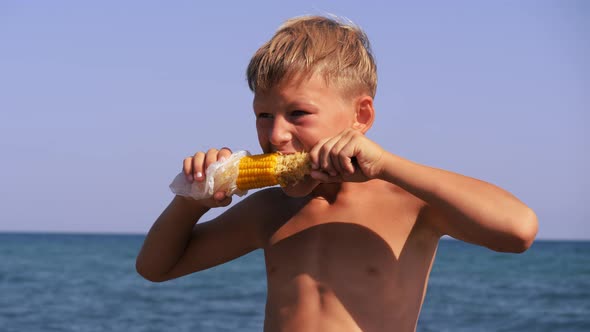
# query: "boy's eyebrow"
{"type": "Point", "coordinates": [310, 105]}
{"type": "Point", "coordinates": [302, 104]}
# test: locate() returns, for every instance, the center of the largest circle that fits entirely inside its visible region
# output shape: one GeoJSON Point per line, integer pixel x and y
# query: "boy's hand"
{"type": "Point", "coordinates": [194, 169]}
{"type": "Point", "coordinates": [349, 156]}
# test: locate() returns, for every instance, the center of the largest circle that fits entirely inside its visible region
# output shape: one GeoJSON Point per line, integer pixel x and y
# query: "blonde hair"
{"type": "Point", "coordinates": [302, 46]}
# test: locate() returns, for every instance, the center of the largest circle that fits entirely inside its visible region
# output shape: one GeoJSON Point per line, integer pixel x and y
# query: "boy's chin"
{"type": "Point", "coordinates": [303, 188]}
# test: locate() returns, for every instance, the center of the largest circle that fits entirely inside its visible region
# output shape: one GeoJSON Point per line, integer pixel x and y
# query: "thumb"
{"type": "Point", "coordinates": [220, 199]}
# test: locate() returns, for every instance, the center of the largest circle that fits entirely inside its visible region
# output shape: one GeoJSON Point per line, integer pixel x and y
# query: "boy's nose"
{"type": "Point", "coordinates": [279, 132]}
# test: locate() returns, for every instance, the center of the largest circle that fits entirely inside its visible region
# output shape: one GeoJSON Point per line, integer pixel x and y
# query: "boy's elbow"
{"type": "Point", "coordinates": [145, 273]}
{"type": "Point", "coordinates": [525, 231]}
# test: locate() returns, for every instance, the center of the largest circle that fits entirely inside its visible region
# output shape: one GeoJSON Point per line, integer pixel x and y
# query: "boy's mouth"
{"type": "Point", "coordinates": [286, 152]}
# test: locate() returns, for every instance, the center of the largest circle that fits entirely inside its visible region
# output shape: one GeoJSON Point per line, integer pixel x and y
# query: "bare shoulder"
{"type": "Point", "coordinates": [254, 208]}
{"type": "Point", "coordinates": [252, 215]}
{"type": "Point", "coordinates": [394, 196]}
{"type": "Point", "coordinates": [406, 208]}
{"type": "Point", "coordinates": [260, 206]}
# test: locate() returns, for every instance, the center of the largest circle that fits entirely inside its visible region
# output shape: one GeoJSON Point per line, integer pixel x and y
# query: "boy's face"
{"type": "Point", "coordinates": [294, 115]}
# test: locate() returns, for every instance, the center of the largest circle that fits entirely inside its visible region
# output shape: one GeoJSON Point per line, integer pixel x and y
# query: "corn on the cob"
{"type": "Point", "coordinates": [241, 172]}
{"type": "Point", "coordinates": [258, 171]}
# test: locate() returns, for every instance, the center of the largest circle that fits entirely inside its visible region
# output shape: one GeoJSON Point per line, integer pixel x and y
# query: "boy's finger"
{"type": "Point", "coordinates": [340, 157]}
{"type": "Point", "coordinates": [221, 199]}
{"type": "Point", "coordinates": [314, 154]}
{"type": "Point", "coordinates": [325, 157]}
{"type": "Point", "coordinates": [210, 157]}
{"type": "Point", "coordinates": [198, 171]}
{"type": "Point", "coordinates": [224, 153]}
{"type": "Point", "coordinates": [344, 164]}
{"type": "Point", "coordinates": [324, 177]}
{"type": "Point", "coordinates": [187, 168]}
{"type": "Point", "coordinates": [335, 162]}
{"type": "Point", "coordinates": [347, 154]}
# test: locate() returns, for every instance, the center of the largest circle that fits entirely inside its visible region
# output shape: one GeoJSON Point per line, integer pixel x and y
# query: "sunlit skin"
{"type": "Point", "coordinates": [349, 248]}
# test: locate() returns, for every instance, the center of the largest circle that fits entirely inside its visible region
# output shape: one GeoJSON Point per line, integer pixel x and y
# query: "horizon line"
{"type": "Point", "coordinates": [119, 233]}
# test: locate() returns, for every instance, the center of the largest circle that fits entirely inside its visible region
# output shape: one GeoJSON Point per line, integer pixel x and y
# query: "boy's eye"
{"type": "Point", "coordinates": [264, 116]}
{"type": "Point", "coordinates": [298, 113]}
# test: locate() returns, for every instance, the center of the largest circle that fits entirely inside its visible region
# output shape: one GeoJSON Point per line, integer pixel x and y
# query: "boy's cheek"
{"type": "Point", "coordinates": [264, 144]}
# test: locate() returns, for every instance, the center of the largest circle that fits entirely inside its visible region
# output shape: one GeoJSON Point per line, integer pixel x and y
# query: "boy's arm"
{"type": "Point", "coordinates": [465, 208]}
{"type": "Point", "coordinates": [462, 207]}
{"type": "Point", "coordinates": [176, 245]}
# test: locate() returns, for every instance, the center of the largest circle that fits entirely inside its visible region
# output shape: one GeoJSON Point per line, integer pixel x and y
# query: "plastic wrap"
{"type": "Point", "coordinates": [219, 176]}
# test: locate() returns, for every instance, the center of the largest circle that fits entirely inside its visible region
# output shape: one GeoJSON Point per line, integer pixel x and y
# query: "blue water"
{"type": "Point", "coordinates": [51, 282]}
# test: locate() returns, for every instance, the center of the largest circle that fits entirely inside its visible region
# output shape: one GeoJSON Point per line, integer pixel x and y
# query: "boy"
{"type": "Point", "coordinates": [351, 246]}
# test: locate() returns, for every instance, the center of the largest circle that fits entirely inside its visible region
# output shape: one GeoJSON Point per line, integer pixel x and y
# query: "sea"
{"type": "Point", "coordinates": [87, 282]}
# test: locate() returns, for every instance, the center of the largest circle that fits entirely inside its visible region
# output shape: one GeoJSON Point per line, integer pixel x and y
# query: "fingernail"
{"type": "Point", "coordinates": [199, 175]}
{"type": "Point", "coordinates": [314, 166]}
{"type": "Point", "coordinates": [189, 178]}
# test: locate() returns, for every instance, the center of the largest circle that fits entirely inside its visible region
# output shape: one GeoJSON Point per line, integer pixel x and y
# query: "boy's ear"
{"type": "Point", "coordinates": [365, 114]}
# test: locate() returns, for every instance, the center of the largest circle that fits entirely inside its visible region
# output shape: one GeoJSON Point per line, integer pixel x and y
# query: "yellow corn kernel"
{"type": "Point", "coordinates": [257, 171]}
{"type": "Point", "coordinates": [270, 169]}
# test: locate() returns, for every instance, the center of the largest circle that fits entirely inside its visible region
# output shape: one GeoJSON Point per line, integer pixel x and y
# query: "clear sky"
{"type": "Point", "coordinates": [100, 101]}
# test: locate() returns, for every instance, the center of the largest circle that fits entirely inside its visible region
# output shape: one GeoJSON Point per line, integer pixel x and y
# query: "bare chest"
{"type": "Point", "coordinates": [353, 259]}
{"type": "Point", "coordinates": [360, 238]}
{"type": "Point", "coordinates": [326, 230]}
